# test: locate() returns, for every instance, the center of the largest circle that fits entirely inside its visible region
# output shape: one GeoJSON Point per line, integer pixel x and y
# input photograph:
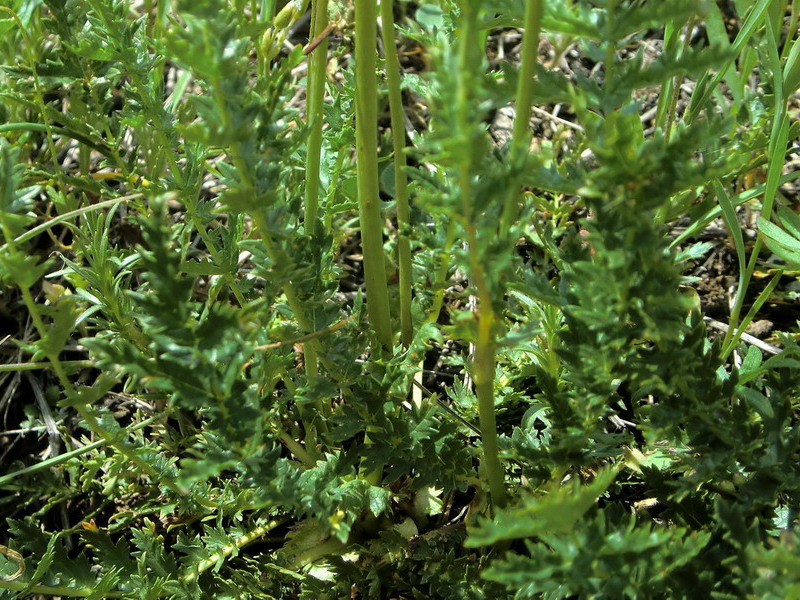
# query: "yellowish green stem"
{"type": "Point", "coordinates": [367, 167]}
{"type": "Point", "coordinates": [400, 178]}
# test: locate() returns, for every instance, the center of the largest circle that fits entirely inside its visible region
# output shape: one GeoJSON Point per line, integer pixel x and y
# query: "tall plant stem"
{"type": "Point", "coordinates": [400, 178]}
{"type": "Point", "coordinates": [670, 90]}
{"type": "Point", "coordinates": [667, 99]}
{"type": "Point", "coordinates": [521, 133]}
{"type": "Point", "coordinates": [483, 366]}
{"type": "Point", "coordinates": [369, 209]}
{"type": "Point", "coordinates": [315, 98]}
{"type": "Point", "coordinates": [311, 424]}
{"type": "Point", "coordinates": [367, 169]}
{"type": "Point", "coordinates": [483, 375]}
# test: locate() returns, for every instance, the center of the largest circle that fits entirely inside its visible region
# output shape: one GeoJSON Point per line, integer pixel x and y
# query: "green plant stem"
{"type": "Point", "coordinates": [317, 64]}
{"type": "Point", "coordinates": [291, 296]}
{"type": "Point", "coordinates": [672, 109]}
{"type": "Point", "coordinates": [50, 129]}
{"type": "Point", "coordinates": [267, 10]}
{"type": "Point", "coordinates": [367, 167]}
{"type": "Point", "coordinates": [225, 552]}
{"type": "Point", "coordinates": [670, 90]}
{"type": "Point", "coordinates": [483, 376]}
{"type": "Point", "coordinates": [484, 359]}
{"type": "Point", "coordinates": [400, 177]}
{"type": "Point", "coordinates": [36, 366]}
{"type": "Point", "coordinates": [484, 371]}
{"type": "Point", "coordinates": [748, 318]}
{"type": "Point", "coordinates": [793, 20]}
{"type": "Point", "coordinates": [62, 458]}
{"type": "Point", "coordinates": [521, 133]}
{"type": "Point", "coordinates": [671, 39]}
{"type": "Point", "coordinates": [295, 448]}
{"type": "Point", "coordinates": [263, 230]}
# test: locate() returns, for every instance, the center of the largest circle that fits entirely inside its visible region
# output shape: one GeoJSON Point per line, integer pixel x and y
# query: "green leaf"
{"type": "Point", "coordinates": [63, 315]}
{"type": "Point", "coordinates": [791, 70]}
{"type": "Point", "coordinates": [88, 395]}
{"type": "Point", "coordinates": [20, 269]}
{"type": "Point", "coordinates": [735, 230]}
{"type": "Point", "coordinates": [790, 221]}
{"type": "Point", "coordinates": [556, 511]}
{"type": "Point", "coordinates": [110, 554]}
{"type": "Point", "coordinates": [750, 364]}
{"type": "Point", "coordinates": [379, 499]}
{"type": "Point", "coordinates": [780, 242]}
{"type": "Point", "coordinates": [758, 402]}
{"type": "Point", "coordinates": [430, 17]}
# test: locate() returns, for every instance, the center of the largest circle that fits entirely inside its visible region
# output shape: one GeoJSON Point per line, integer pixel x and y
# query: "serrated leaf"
{"type": "Point", "coordinates": [109, 554]}
{"type": "Point", "coordinates": [693, 251]}
{"type": "Point", "coordinates": [21, 269]}
{"type": "Point", "coordinates": [63, 315]}
{"type": "Point", "coordinates": [555, 512]}
{"type": "Point", "coordinates": [152, 556]}
{"type": "Point", "coordinates": [378, 499]}
{"type": "Point", "coordinates": [751, 363]}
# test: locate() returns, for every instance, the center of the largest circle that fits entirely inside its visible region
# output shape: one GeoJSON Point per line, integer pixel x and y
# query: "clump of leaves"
{"type": "Point", "coordinates": [292, 354]}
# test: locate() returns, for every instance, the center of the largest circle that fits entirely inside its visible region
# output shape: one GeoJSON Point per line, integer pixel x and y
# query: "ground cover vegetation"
{"type": "Point", "coordinates": [432, 300]}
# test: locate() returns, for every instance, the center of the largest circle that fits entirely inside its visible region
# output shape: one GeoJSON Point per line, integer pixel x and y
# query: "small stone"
{"type": "Point", "coordinates": [760, 328]}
